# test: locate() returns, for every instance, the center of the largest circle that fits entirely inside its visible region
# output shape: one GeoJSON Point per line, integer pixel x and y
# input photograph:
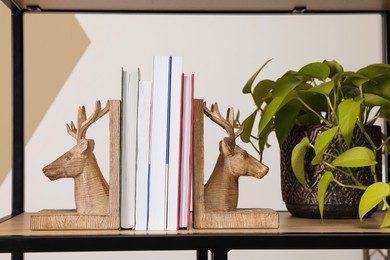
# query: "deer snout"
{"type": "Point", "coordinates": [262, 170]}
{"type": "Point", "coordinates": [52, 174]}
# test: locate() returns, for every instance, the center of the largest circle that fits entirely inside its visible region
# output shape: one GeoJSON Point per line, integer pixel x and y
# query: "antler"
{"type": "Point", "coordinates": [227, 124]}
{"type": "Point", "coordinates": [83, 123]}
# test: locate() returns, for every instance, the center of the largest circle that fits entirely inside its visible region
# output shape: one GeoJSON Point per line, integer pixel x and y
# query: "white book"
{"type": "Point", "coordinates": [129, 146]}
{"type": "Point", "coordinates": [186, 159]}
{"type": "Point", "coordinates": [141, 198]}
{"type": "Point", "coordinates": [174, 143]}
{"type": "Point", "coordinates": [158, 144]}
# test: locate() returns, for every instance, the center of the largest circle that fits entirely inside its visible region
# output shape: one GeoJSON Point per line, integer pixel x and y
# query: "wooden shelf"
{"type": "Point", "coordinates": [15, 235]}
{"type": "Point", "coordinates": [205, 5]}
{"type": "Point", "coordinates": [20, 226]}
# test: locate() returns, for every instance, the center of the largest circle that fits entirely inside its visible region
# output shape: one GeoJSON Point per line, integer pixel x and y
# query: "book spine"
{"type": "Point", "coordinates": [174, 142]}
{"type": "Point", "coordinates": [143, 128]}
{"type": "Point", "coordinates": [158, 143]}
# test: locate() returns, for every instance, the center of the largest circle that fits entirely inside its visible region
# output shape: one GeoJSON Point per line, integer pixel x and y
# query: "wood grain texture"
{"type": "Point", "coordinates": [219, 211]}
{"type": "Point", "coordinates": [97, 203]}
{"type": "Point", "coordinates": [20, 226]}
{"type": "Point", "coordinates": [198, 176]}
{"type": "Point", "coordinates": [115, 141]}
{"type": "Point", "coordinates": [240, 218]}
{"type": "Point", "coordinates": [70, 220]}
{"type": "Point", "coordinates": [221, 190]}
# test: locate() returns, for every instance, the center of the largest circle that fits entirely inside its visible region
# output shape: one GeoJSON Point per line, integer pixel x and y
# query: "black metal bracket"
{"type": "Point", "coordinates": [18, 112]}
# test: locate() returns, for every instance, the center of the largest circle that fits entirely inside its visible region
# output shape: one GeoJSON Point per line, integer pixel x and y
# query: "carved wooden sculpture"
{"type": "Point", "coordinates": [97, 203]}
{"type": "Point", "coordinates": [79, 163]}
{"type": "Point", "coordinates": [215, 204]}
{"type": "Point", "coordinates": [221, 190]}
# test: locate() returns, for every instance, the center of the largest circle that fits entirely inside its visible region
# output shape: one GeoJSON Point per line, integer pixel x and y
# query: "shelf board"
{"type": "Point", "coordinates": [20, 226]}
{"type": "Point", "coordinates": [206, 5]}
{"type": "Point", "coordinates": [294, 233]}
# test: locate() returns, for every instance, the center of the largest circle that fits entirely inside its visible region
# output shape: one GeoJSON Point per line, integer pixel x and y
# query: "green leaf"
{"type": "Point", "coordinates": [285, 119]}
{"type": "Point", "coordinates": [316, 70]}
{"type": "Point", "coordinates": [273, 107]}
{"type": "Point", "coordinates": [322, 142]}
{"type": "Point", "coordinates": [324, 88]}
{"type": "Point", "coordinates": [237, 119]}
{"type": "Point", "coordinates": [261, 90]}
{"type": "Point", "coordinates": [385, 113]}
{"type": "Point", "coordinates": [248, 86]}
{"type": "Point", "coordinates": [263, 139]}
{"type": "Point", "coordinates": [373, 100]}
{"type": "Point", "coordinates": [379, 87]}
{"type": "Point", "coordinates": [359, 81]}
{"type": "Point", "coordinates": [322, 187]}
{"type": "Point", "coordinates": [374, 71]}
{"type": "Point", "coordinates": [355, 157]}
{"type": "Point", "coordinates": [284, 85]}
{"type": "Point", "coordinates": [348, 77]}
{"type": "Point", "coordinates": [348, 112]}
{"type": "Point", "coordinates": [248, 126]}
{"type": "Point", "coordinates": [298, 160]}
{"type": "Point", "coordinates": [334, 67]}
{"type": "Point", "coordinates": [308, 119]}
{"type": "Point", "coordinates": [386, 220]}
{"type": "Point", "coordinates": [374, 194]}
{"type": "Point", "coordinates": [315, 101]}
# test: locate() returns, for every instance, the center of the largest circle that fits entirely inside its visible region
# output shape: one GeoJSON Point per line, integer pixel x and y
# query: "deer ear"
{"type": "Point", "coordinates": [227, 146]}
{"type": "Point", "coordinates": [83, 145]}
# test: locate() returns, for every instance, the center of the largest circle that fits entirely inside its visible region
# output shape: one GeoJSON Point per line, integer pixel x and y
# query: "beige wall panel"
{"type": "Point", "coordinates": [53, 46]}
{"type": "Point", "coordinates": [5, 92]}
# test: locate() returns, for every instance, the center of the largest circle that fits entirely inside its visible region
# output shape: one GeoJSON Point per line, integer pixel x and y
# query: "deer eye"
{"type": "Point", "coordinates": [244, 155]}
{"type": "Point", "coordinates": [68, 157]}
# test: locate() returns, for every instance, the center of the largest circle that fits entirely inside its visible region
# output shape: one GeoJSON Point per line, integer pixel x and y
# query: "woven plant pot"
{"type": "Point", "coordinates": [340, 203]}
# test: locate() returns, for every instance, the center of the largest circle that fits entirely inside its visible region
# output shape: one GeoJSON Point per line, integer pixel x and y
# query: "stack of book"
{"type": "Point", "coordinates": [156, 147]}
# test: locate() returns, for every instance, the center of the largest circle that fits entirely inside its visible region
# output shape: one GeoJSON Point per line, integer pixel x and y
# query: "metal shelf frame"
{"type": "Point", "coordinates": [218, 244]}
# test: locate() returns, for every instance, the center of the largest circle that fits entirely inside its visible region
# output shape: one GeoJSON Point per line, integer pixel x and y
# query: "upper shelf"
{"type": "Point", "coordinates": [205, 5]}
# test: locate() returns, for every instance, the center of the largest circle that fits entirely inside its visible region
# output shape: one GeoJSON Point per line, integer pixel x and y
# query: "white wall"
{"type": "Point", "coordinates": [223, 51]}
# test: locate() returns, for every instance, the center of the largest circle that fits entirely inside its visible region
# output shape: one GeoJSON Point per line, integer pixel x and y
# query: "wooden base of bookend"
{"type": "Point", "coordinates": [71, 220]}
{"type": "Point", "coordinates": [206, 218]}
{"type": "Point", "coordinates": [240, 218]}
{"type": "Point", "coordinates": [104, 218]}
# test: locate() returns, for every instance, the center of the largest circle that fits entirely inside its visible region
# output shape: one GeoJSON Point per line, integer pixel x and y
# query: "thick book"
{"type": "Point", "coordinates": [186, 160]}
{"type": "Point", "coordinates": [174, 142]}
{"type": "Point", "coordinates": [158, 144]}
{"type": "Point", "coordinates": [130, 82]}
{"type": "Point", "coordinates": [142, 172]}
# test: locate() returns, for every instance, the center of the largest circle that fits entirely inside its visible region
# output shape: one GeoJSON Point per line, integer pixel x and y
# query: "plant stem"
{"type": "Point", "coordinates": [257, 150]}
{"type": "Point", "coordinates": [314, 112]}
{"type": "Point", "coordinates": [386, 203]}
{"type": "Point", "coordinates": [384, 143]}
{"type": "Point", "coordinates": [348, 174]}
{"type": "Point", "coordinates": [361, 126]}
{"type": "Point", "coordinates": [331, 108]}
{"type": "Point", "coordinates": [372, 120]}
{"type": "Point", "coordinates": [350, 186]}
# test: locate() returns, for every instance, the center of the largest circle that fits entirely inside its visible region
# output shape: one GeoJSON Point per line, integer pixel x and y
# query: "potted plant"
{"type": "Point", "coordinates": [323, 119]}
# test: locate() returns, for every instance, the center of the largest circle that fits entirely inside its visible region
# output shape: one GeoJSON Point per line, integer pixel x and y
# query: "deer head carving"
{"type": "Point", "coordinates": [91, 189]}
{"type": "Point", "coordinates": [221, 190]}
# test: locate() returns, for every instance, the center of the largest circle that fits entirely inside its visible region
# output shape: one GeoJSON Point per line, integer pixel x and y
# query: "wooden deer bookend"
{"type": "Point", "coordinates": [221, 190]}
{"type": "Point", "coordinates": [79, 163]}
{"type": "Point", "coordinates": [97, 202]}
{"type": "Point", "coordinates": [215, 203]}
